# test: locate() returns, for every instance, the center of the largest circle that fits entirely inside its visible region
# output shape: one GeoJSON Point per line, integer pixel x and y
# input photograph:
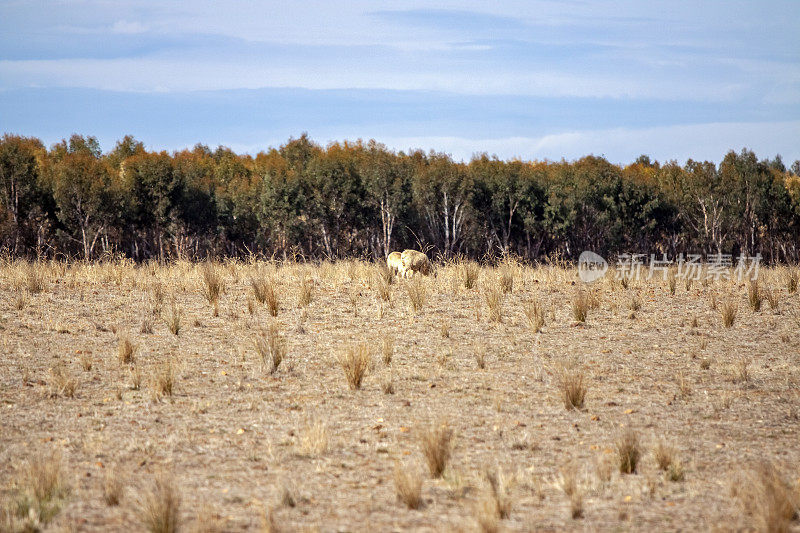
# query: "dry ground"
{"type": "Point", "coordinates": [245, 448]}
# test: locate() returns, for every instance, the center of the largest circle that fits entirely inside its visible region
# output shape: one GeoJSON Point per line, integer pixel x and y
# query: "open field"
{"type": "Point", "coordinates": [115, 376]}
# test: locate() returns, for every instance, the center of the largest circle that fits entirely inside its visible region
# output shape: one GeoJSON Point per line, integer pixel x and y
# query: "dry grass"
{"type": "Point", "coordinates": [264, 292]}
{"type": "Point", "coordinates": [174, 318]}
{"type": "Point", "coordinates": [569, 483]}
{"type": "Point", "coordinates": [728, 310]}
{"type": "Point", "coordinates": [664, 454]}
{"type": "Point", "coordinates": [580, 306]}
{"type": "Point", "coordinates": [408, 485]}
{"type": "Point", "coordinates": [505, 278]}
{"type": "Point", "coordinates": [773, 297]}
{"type": "Point", "coordinates": [355, 361]}
{"type": "Point", "coordinates": [534, 313]}
{"type": "Point", "coordinates": [62, 382]}
{"type": "Point", "coordinates": [494, 303]}
{"type": "Point", "coordinates": [771, 501]}
{"type": "Point", "coordinates": [21, 300]}
{"type": "Point", "coordinates": [271, 347]}
{"type": "Point", "coordinates": [571, 384]}
{"type": "Point", "coordinates": [40, 493]}
{"type": "Point", "coordinates": [126, 350]}
{"type": "Point", "coordinates": [159, 507]}
{"type": "Point", "coordinates": [387, 349]}
{"type": "Point", "coordinates": [754, 295]}
{"type": "Point", "coordinates": [306, 294]}
{"type": "Point", "coordinates": [480, 355]}
{"type": "Point", "coordinates": [163, 379]}
{"type": "Point", "coordinates": [314, 438]}
{"type": "Point", "coordinates": [113, 487]}
{"type": "Point", "coordinates": [790, 278]}
{"type": "Point", "coordinates": [469, 271]}
{"type": "Point", "coordinates": [417, 294]}
{"type": "Point", "coordinates": [212, 283]}
{"type": "Point", "coordinates": [629, 451]}
{"type": "Point", "coordinates": [436, 445]}
{"type": "Point", "coordinates": [499, 490]}
{"type": "Point", "coordinates": [235, 431]}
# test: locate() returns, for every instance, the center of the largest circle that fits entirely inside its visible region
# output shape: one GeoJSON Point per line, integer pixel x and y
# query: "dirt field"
{"type": "Point", "coordinates": [244, 448]}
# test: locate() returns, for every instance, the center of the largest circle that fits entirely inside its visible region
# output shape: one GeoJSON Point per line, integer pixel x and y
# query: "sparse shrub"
{"type": "Point", "coordinates": [126, 350]}
{"type": "Point", "coordinates": [113, 488]}
{"type": "Point", "coordinates": [408, 486]}
{"type": "Point", "coordinates": [387, 349]}
{"type": "Point", "coordinates": [571, 384]}
{"type": "Point", "coordinates": [754, 295]}
{"type": "Point", "coordinates": [173, 318]}
{"type": "Point", "coordinates": [159, 507]}
{"type": "Point", "coordinates": [436, 444]}
{"type": "Point", "coordinates": [212, 283]}
{"type": "Point", "coordinates": [314, 438]}
{"type": "Point", "coordinates": [417, 294]}
{"type": "Point", "coordinates": [469, 274]}
{"type": "Point", "coordinates": [765, 495]}
{"type": "Point", "coordinates": [494, 302]}
{"type": "Point", "coordinates": [306, 291]}
{"type": "Point", "coordinates": [580, 306]}
{"type": "Point", "coordinates": [355, 362]}
{"type": "Point", "coordinates": [628, 451]}
{"type": "Point", "coordinates": [271, 347]}
{"type": "Point", "coordinates": [534, 312]}
{"type": "Point", "coordinates": [728, 310]}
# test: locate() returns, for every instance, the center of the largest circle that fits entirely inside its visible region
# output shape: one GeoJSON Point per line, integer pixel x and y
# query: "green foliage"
{"type": "Point", "coordinates": [362, 199]}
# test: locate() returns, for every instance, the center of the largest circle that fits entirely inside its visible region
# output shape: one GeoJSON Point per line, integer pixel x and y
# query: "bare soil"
{"type": "Point", "coordinates": [242, 443]}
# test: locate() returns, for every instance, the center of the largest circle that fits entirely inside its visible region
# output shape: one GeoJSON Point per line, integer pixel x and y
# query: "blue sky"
{"type": "Point", "coordinates": [533, 79]}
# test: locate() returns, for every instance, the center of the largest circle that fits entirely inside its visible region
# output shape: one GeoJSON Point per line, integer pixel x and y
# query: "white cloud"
{"type": "Point", "coordinates": [697, 141]}
{"type": "Point", "coordinates": [129, 28]}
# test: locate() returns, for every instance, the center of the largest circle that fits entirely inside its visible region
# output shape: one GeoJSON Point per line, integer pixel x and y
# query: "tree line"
{"type": "Point", "coordinates": [303, 200]}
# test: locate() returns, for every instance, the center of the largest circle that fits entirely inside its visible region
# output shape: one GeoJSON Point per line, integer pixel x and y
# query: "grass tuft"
{"type": "Point", "coordinates": [728, 310]}
{"type": "Point", "coordinates": [159, 507]}
{"type": "Point", "coordinates": [417, 294]}
{"type": "Point", "coordinates": [408, 486]}
{"type": "Point", "coordinates": [580, 306]}
{"type": "Point", "coordinates": [571, 383]}
{"type": "Point", "coordinates": [534, 312]}
{"type": "Point", "coordinates": [355, 362]}
{"type": "Point", "coordinates": [271, 347]}
{"type": "Point", "coordinates": [629, 451]}
{"type": "Point", "coordinates": [436, 444]}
